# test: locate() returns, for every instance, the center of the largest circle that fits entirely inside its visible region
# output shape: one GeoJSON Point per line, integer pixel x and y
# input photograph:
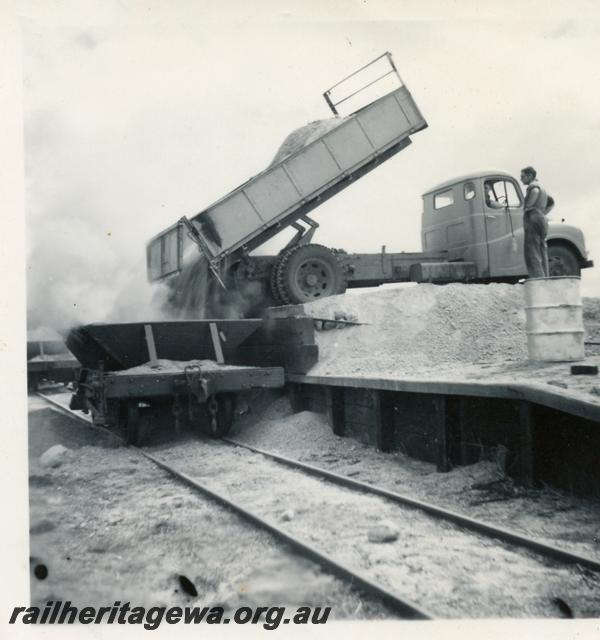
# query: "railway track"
{"type": "Point", "coordinates": [479, 526]}
{"type": "Point", "coordinates": [401, 605]}
{"type": "Point", "coordinates": [226, 463]}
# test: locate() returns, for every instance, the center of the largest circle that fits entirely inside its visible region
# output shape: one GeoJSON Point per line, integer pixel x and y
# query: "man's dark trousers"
{"type": "Point", "coordinates": [536, 252]}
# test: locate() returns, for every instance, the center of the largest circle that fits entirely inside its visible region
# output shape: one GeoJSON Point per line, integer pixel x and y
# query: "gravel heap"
{"type": "Point", "coordinates": [283, 430]}
{"type": "Point", "coordinates": [303, 136]}
{"type": "Point", "coordinates": [410, 329]}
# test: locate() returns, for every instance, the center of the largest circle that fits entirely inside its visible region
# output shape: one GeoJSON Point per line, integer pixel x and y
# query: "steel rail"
{"type": "Point", "coordinates": [473, 524]}
{"type": "Point", "coordinates": [390, 598]}
{"type": "Point", "coordinates": [479, 526]}
{"type": "Point", "coordinates": [76, 416]}
{"type": "Point", "coordinates": [401, 605]}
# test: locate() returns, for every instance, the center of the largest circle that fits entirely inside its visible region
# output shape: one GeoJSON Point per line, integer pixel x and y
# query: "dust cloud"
{"type": "Point", "coordinates": [195, 294]}
{"type": "Point", "coordinates": [64, 291]}
{"type": "Point", "coordinates": [85, 260]}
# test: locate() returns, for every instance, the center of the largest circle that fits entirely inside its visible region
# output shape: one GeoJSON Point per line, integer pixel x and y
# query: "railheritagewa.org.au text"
{"type": "Point", "coordinates": [151, 618]}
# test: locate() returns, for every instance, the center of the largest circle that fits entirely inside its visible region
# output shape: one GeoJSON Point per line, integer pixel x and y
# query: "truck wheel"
{"type": "Point", "coordinates": [309, 272]}
{"type": "Point", "coordinates": [273, 285]}
{"type": "Point", "coordinates": [217, 415]}
{"type": "Point", "coordinates": [562, 261]}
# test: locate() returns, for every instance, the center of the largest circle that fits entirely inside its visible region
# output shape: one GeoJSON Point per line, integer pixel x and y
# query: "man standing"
{"type": "Point", "coordinates": [535, 225]}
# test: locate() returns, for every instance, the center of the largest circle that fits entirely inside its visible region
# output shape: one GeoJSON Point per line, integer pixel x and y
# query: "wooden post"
{"type": "Point", "coordinates": [336, 413]}
{"type": "Point", "coordinates": [153, 358]}
{"type": "Point", "coordinates": [524, 465]}
{"type": "Point", "coordinates": [296, 397]}
{"type": "Point", "coordinates": [383, 409]}
{"type": "Point", "coordinates": [442, 434]}
{"type": "Point", "coordinates": [450, 419]}
{"type": "Point", "coordinates": [463, 435]}
{"type": "Point", "coordinates": [216, 340]}
{"type": "Point", "coordinates": [377, 421]}
{"type": "Point", "coordinates": [441, 412]}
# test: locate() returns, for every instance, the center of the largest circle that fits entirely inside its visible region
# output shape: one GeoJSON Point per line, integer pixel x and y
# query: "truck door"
{"type": "Point", "coordinates": [503, 213]}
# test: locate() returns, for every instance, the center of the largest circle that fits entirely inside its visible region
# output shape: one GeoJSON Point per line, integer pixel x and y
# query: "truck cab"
{"type": "Point", "coordinates": [477, 218]}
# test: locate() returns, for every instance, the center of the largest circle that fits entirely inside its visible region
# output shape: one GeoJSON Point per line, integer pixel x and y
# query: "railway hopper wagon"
{"type": "Point", "coordinates": [138, 378]}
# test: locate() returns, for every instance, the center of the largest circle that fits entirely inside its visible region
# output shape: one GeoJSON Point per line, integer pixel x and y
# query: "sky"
{"type": "Point", "coordinates": [137, 113]}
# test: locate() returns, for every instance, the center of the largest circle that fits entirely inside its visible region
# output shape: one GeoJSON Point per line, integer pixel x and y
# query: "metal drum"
{"type": "Point", "coordinates": [554, 319]}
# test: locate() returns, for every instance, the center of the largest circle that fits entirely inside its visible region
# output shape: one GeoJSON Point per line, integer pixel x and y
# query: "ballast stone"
{"type": "Point", "coordinates": [41, 526]}
{"type": "Point", "coordinates": [383, 531]}
{"type": "Point", "coordinates": [288, 516]}
{"type": "Point", "coordinates": [54, 456]}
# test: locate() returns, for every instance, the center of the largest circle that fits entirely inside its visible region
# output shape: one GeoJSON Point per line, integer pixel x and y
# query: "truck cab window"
{"type": "Point", "coordinates": [500, 193]}
{"type": "Point", "coordinates": [443, 199]}
{"type": "Point", "coordinates": [469, 190]}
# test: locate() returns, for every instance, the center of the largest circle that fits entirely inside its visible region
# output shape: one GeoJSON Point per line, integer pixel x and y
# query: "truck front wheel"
{"type": "Point", "coordinates": [562, 261]}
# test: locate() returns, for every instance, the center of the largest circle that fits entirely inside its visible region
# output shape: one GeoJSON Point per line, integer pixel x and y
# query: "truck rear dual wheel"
{"type": "Point", "coordinates": [273, 285]}
{"type": "Point", "coordinates": [562, 261]}
{"type": "Point", "coordinates": [308, 272]}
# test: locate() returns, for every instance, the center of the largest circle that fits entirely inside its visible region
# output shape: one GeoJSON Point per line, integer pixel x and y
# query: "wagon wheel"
{"type": "Point", "coordinates": [562, 261]}
{"type": "Point", "coordinates": [309, 272]}
{"type": "Point", "coordinates": [217, 415]}
{"type": "Point", "coordinates": [132, 423]}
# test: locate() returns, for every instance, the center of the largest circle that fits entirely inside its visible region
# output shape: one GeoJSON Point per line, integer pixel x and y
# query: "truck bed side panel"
{"type": "Point", "coordinates": [265, 200]}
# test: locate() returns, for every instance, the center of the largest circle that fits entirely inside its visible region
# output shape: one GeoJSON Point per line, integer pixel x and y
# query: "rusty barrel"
{"type": "Point", "coordinates": [554, 319]}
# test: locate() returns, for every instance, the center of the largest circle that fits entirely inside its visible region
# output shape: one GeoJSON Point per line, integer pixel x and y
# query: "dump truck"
{"type": "Point", "coordinates": [210, 260]}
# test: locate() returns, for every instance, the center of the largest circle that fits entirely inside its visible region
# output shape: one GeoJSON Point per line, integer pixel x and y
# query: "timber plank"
{"type": "Point", "coordinates": [554, 397]}
{"type": "Point", "coordinates": [140, 385]}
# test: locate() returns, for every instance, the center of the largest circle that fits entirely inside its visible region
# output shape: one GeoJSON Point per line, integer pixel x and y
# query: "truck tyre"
{"type": "Point", "coordinates": [274, 289]}
{"type": "Point", "coordinates": [562, 261]}
{"type": "Point", "coordinates": [309, 272]}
